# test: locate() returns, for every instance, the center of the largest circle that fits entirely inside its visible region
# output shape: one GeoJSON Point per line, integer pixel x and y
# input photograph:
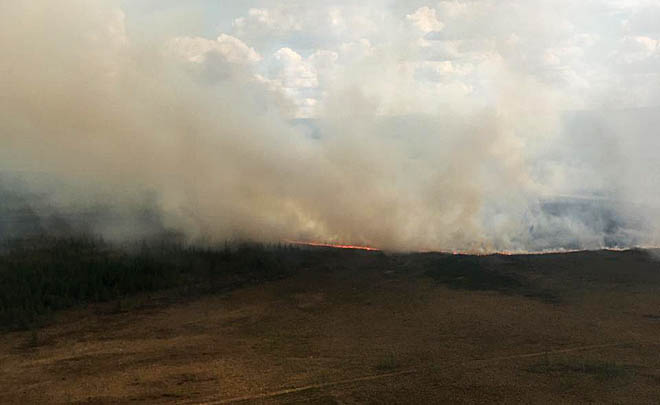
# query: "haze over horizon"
{"type": "Point", "coordinates": [477, 125]}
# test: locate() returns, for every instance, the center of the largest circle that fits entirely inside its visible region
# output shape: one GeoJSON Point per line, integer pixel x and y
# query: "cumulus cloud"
{"type": "Point", "coordinates": [196, 49]}
{"type": "Point", "coordinates": [294, 71]}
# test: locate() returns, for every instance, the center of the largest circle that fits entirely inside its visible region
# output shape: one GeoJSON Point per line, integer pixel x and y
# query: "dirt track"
{"type": "Point", "coordinates": [363, 329]}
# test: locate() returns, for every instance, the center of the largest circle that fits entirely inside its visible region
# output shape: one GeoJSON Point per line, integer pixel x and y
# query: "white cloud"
{"type": "Point", "coordinates": [321, 24]}
{"type": "Point", "coordinates": [294, 71]}
{"type": "Point", "coordinates": [196, 49]}
{"type": "Point", "coordinates": [425, 20]}
{"type": "Point", "coordinates": [272, 19]}
{"type": "Point", "coordinates": [569, 46]}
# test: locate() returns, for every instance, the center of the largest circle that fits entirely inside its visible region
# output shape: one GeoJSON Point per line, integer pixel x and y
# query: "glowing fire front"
{"type": "Point", "coordinates": [331, 245]}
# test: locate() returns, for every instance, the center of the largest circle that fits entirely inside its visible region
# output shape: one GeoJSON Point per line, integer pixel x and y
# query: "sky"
{"type": "Point", "coordinates": [599, 54]}
{"type": "Point", "coordinates": [410, 125]}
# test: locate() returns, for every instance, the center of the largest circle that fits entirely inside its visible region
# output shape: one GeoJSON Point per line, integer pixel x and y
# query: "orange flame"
{"type": "Point", "coordinates": [468, 252]}
{"type": "Point", "coordinates": [331, 245]}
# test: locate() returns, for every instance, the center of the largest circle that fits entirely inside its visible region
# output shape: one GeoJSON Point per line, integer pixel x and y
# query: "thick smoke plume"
{"type": "Point", "coordinates": [191, 134]}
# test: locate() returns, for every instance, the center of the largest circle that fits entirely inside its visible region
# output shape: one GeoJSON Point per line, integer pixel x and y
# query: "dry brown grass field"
{"type": "Point", "coordinates": [363, 327]}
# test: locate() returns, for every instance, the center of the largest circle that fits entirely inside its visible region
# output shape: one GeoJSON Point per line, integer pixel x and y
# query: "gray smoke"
{"type": "Point", "coordinates": [129, 135]}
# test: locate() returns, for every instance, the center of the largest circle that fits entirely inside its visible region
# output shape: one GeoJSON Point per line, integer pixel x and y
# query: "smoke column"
{"type": "Point", "coordinates": [477, 126]}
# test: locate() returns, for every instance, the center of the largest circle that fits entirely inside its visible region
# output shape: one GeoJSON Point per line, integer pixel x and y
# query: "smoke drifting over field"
{"type": "Point", "coordinates": [481, 125]}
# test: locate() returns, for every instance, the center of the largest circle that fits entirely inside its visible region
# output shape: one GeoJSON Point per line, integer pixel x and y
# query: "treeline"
{"type": "Point", "coordinates": [41, 275]}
